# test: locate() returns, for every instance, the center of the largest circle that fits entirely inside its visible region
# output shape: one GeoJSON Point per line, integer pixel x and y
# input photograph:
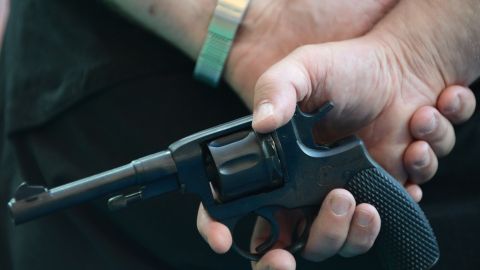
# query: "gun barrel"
{"type": "Point", "coordinates": [31, 202]}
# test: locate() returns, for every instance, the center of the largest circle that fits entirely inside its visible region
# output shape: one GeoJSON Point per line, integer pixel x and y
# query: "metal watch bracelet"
{"type": "Point", "coordinates": [223, 26]}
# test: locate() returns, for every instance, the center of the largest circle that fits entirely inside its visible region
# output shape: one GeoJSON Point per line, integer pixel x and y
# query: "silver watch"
{"type": "Point", "coordinates": [226, 18]}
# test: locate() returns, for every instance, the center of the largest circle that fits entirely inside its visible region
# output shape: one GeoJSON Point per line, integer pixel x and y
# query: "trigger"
{"type": "Point", "coordinates": [267, 214]}
{"type": "Point", "coordinates": [298, 242]}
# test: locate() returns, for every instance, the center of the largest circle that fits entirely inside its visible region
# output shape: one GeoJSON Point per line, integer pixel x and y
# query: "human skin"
{"type": "Point", "coordinates": [267, 35]}
{"type": "Point", "coordinates": [4, 7]}
{"type": "Point", "coordinates": [271, 30]}
{"type": "Point", "coordinates": [398, 68]}
{"type": "Point", "coordinates": [394, 69]}
{"type": "Point", "coordinates": [403, 64]}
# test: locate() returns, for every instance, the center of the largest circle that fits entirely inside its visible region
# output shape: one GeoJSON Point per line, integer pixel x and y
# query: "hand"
{"type": "Point", "coordinates": [266, 39]}
{"type": "Point", "coordinates": [301, 77]}
{"type": "Point", "coordinates": [377, 82]}
{"type": "Point", "coordinates": [348, 234]}
{"type": "Point", "coordinates": [383, 91]}
{"type": "Point", "coordinates": [273, 29]}
{"type": "Point", "coordinates": [341, 227]}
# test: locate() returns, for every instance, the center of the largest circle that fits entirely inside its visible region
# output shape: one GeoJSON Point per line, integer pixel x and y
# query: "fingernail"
{"type": "Point", "coordinates": [422, 162]}
{"type": "Point", "coordinates": [454, 106]}
{"type": "Point", "coordinates": [263, 111]}
{"type": "Point", "coordinates": [364, 218]}
{"type": "Point", "coordinates": [432, 124]}
{"type": "Point", "coordinates": [340, 205]}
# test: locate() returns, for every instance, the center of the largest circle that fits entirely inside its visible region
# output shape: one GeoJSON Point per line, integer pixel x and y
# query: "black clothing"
{"type": "Point", "coordinates": [82, 90]}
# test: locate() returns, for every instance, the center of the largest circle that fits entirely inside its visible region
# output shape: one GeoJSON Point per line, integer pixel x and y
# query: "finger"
{"type": "Point", "coordinates": [420, 162]}
{"type": "Point", "coordinates": [427, 124]}
{"type": "Point", "coordinates": [277, 259]}
{"type": "Point", "coordinates": [216, 234]}
{"type": "Point", "coordinates": [276, 95]}
{"type": "Point", "coordinates": [415, 191]}
{"type": "Point", "coordinates": [280, 88]}
{"type": "Point", "coordinates": [364, 229]}
{"type": "Point", "coordinates": [330, 229]}
{"type": "Point", "coordinates": [457, 103]}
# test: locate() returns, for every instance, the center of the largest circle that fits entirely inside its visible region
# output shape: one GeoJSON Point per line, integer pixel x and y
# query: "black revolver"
{"type": "Point", "coordinates": [237, 172]}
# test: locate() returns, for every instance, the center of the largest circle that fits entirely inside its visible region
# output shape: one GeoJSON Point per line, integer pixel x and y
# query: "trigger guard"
{"type": "Point", "coordinates": [267, 213]}
{"type": "Point", "coordinates": [297, 243]}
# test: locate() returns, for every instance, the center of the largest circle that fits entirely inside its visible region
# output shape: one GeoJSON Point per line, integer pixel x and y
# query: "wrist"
{"type": "Point", "coordinates": [411, 60]}
{"type": "Point", "coordinates": [437, 39]}
{"type": "Point", "coordinates": [242, 68]}
{"type": "Point", "coordinates": [189, 32]}
{"type": "Point", "coordinates": [202, 14]}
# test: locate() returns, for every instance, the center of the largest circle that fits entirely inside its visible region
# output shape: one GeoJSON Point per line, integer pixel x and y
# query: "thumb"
{"type": "Point", "coordinates": [349, 73]}
{"type": "Point", "coordinates": [283, 85]}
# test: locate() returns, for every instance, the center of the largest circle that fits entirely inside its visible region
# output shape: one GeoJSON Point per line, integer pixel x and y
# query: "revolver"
{"type": "Point", "coordinates": [236, 172]}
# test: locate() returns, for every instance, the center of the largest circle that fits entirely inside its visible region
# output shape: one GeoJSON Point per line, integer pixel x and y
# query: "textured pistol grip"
{"type": "Point", "coordinates": [406, 240]}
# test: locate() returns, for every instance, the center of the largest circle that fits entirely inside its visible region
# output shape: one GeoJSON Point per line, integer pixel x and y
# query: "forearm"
{"type": "Point", "coordinates": [4, 8]}
{"type": "Point", "coordinates": [183, 23]}
{"type": "Point", "coordinates": [443, 34]}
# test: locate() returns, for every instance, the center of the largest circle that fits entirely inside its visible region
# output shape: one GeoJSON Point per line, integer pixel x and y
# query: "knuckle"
{"type": "Point", "coordinates": [265, 84]}
{"type": "Point", "coordinates": [304, 49]}
{"type": "Point", "coordinates": [445, 145]}
{"type": "Point", "coordinates": [423, 175]}
{"type": "Point", "coordinates": [334, 238]}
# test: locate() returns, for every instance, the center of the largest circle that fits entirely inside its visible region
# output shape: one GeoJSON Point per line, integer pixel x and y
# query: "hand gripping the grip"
{"type": "Point", "coordinates": [305, 173]}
